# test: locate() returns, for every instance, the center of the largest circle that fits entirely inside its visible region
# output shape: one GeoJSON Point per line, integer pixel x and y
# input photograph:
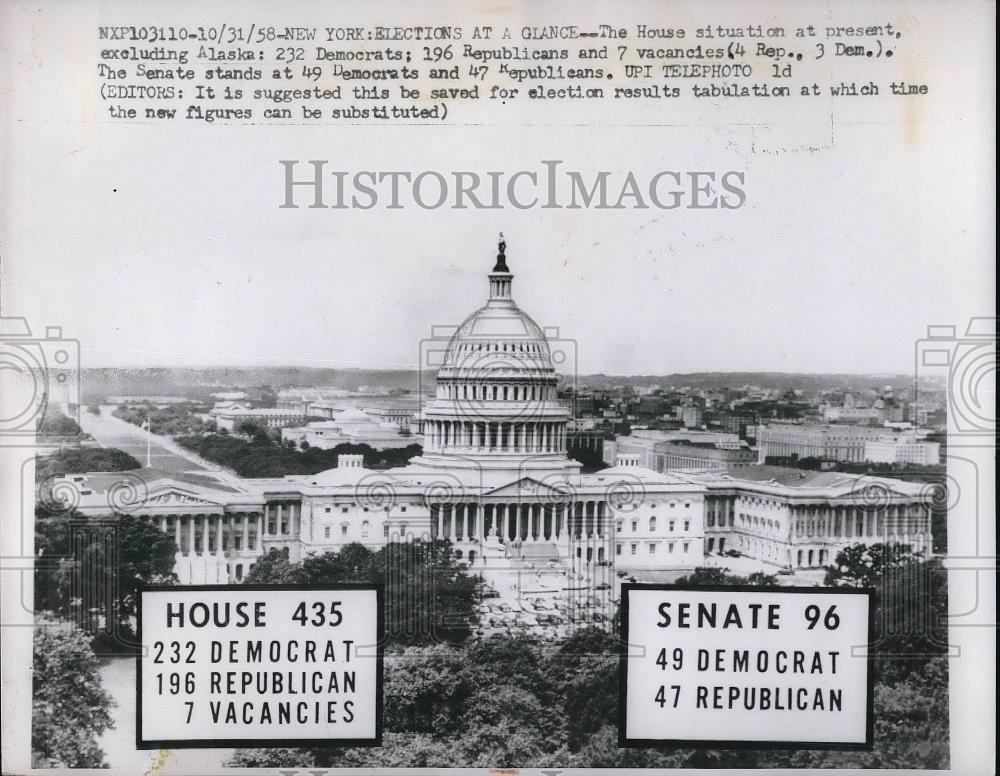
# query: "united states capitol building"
{"type": "Point", "coordinates": [494, 478]}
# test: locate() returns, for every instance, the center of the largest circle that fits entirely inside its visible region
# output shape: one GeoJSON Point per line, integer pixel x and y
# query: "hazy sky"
{"type": "Point", "coordinates": [164, 245]}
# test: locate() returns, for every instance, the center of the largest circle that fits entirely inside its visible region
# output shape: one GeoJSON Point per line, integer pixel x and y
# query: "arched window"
{"type": "Point", "coordinates": [364, 528]}
{"type": "Point", "coordinates": [652, 524]}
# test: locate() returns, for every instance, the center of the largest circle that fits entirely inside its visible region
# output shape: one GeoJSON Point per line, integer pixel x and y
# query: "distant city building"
{"type": "Point", "coordinates": [697, 455]}
{"type": "Point", "coordinates": [925, 414]}
{"type": "Point", "coordinates": [690, 415]}
{"type": "Point", "coordinates": [229, 418]}
{"type": "Point", "coordinates": [903, 449]}
{"type": "Point", "coordinates": [157, 400]}
{"type": "Point", "coordinates": [662, 451]}
{"type": "Point", "coordinates": [870, 415]}
{"type": "Point", "coordinates": [400, 413]}
{"type": "Point", "coordinates": [737, 422]}
{"type": "Point", "coordinates": [813, 440]}
{"type": "Point", "coordinates": [401, 417]}
{"type": "Point", "coordinates": [349, 427]}
{"type": "Point", "coordinates": [226, 405]}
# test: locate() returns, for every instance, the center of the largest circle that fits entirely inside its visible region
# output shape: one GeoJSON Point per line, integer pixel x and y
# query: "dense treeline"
{"type": "Point", "coordinates": [429, 598]}
{"type": "Point", "coordinates": [172, 420]}
{"type": "Point", "coordinates": [79, 460]}
{"type": "Point", "coordinates": [513, 702]}
{"type": "Point", "coordinates": [87, 569]}
{"type": "Point", "coordinates": [261, 457]}
{"type": "Point", "coordinates": [86, 575]}
{"type": "Point", "coordinates": [69, 708]}
{"type": "Point", "coordinates": [55, 423]}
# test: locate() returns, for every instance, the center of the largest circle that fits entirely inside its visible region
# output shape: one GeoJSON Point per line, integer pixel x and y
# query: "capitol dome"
{"type": "Point", "coordinates": [496, 387]}
{"type": "Point", "coordinates": [499, 338]}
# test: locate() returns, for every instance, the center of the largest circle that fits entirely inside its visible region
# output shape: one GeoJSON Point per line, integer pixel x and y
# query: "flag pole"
{"type": "Point", "coordinates": [149, 432]}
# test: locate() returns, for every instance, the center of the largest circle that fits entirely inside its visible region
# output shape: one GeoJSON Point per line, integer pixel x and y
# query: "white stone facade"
{"type": "Point", "coordinates": [495, 480]}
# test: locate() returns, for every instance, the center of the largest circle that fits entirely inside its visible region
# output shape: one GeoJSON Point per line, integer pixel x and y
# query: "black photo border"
{"type": "Point", "coordinates": [625, 742]}
{"type": "Point", "coordinates": [261, 743]}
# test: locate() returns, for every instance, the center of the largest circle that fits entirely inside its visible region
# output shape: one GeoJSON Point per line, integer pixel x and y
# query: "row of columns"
{"type": "Point", "coordinates": [720, 512]}
{"type": "Point", "coordinates": [520, 522]}
{"type": "Point", "coordinates": [848, 522]}
{"type": "Point", "coordinates": [213, 534]}
{"type": "Point", "coordinates": [239, 531]}
{"type": "Point", "coordinates": [530, 437]}
{"type": "Point", "coordinates": [283, 519]}
{"type": "Point", "coordinates": [495, 392]}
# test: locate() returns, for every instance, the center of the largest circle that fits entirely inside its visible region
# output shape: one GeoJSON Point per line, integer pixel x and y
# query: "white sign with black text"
{"type": "Point", "coordinates": [267, 665]}
{"type": "Point", "coordinates": [745, 666]}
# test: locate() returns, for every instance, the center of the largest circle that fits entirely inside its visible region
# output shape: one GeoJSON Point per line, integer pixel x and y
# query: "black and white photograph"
{"type": "Point", "coordinates": [509, 388]}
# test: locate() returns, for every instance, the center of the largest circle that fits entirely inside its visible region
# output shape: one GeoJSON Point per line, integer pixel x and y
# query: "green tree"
{"type": "Point", "coordinates": [762, 579]}
{"type": "Point", "coordinates": [911, 625]}
{"type": "Point", "coordinates": [255, 431]}
{"type": "Point", "coordinates": [274, 568]}
{"type": "Point", "coordinates": [145, 555]}
{"type": "Point", "coordinates": [102, 561]}
{"type": "Point", "coordinates": [69, 708]}
{"type": "Point", "coordinates": [508, 727]}
{"type": "Point", "coordinates": [270, 758]}
{"type": "Point", "coordinates": [911, 728]}
{"type": "Point", "coordinates": [428, 596]}
{"type": "Point", "coordinates": [584, 673]}
{"type": "Point", "coordinates": [602, 751]}
{"type": "Point", "coordinates": [398, 750]}
{"type": "Point", "coordinates": [425, 690]}
{"type": "Point", "coordinates": [266, 457]}
{"type": "Point", "coordinates": [710, 575]}
{"type": "Point", "coordinates": [911, 603]}
{"type": "Point", "coordinates": [54, 423]}
{"type": "Point", "coordinates": [80, 460]}
{"type": "Point", "coordinates": [706, 575]}
{"type": "Point", "coordinates": [590, 701]}
{"type": "Point", "coordinates": [867, 565]}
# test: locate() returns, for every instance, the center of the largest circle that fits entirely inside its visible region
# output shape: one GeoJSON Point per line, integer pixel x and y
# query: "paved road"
{"type": "Point", "coordinates": [165, 454]}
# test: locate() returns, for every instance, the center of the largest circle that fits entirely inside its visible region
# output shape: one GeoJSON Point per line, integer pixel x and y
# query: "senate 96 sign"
{"type": "Point", "coordinates": [745, 667]}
